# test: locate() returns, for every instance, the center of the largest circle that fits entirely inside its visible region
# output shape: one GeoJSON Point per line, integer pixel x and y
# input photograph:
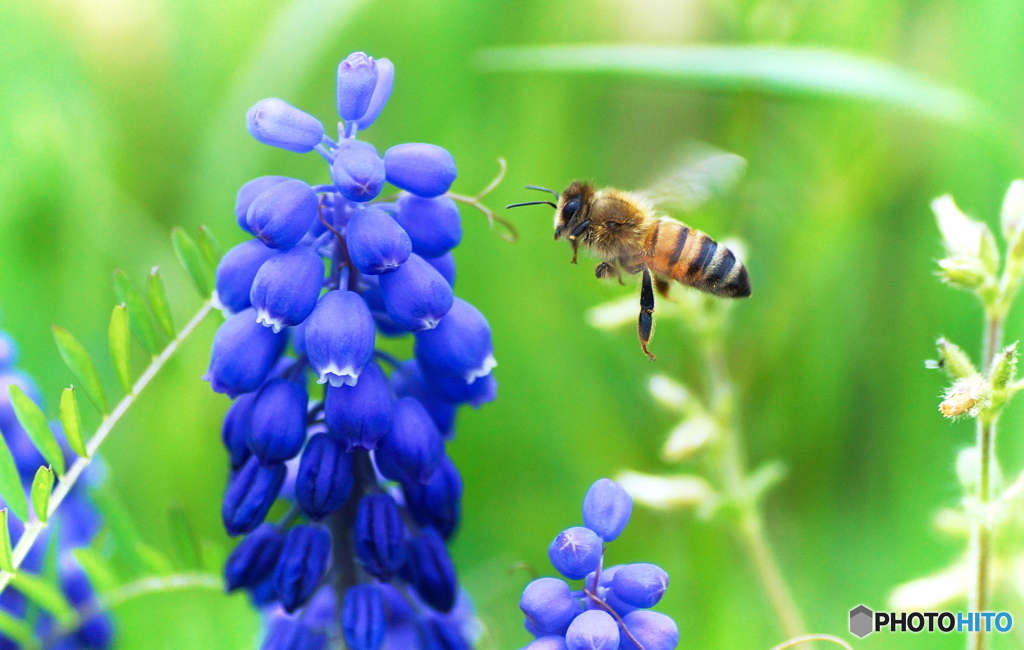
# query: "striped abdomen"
{"type": "Point", "coordinates": [690, 257]}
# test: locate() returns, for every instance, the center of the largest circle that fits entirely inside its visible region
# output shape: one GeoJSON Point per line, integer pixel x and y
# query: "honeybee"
{"type": "Point", "coordinates": [628, 234]}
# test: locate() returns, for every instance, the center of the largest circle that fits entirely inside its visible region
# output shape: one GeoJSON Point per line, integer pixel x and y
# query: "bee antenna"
{"type": "Point", "coordinates": [519, 205]}
{"type": "Point", "coordinates": [544, 189]}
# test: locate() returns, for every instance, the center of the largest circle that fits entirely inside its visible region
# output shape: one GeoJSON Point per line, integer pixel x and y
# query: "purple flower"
{"type": "Point", "coordinates": [248, 193]}
{"type": "Point", "coordinates": [251, 492]}
{"type": "Point", "coordinates": [416, 296]}
{"type": "Point", "coordinates": [408, 381]}
{"type": "Point", "coordinates": [360, 415]}
{"type": "Point", "coordinates": [243, 354]}
{"type": "Point", "coordinates": [357, 79]}
{"type": "Point", "coordinates": [376, 243]}
{"type": "Point", "coordinates": [445, 265]}
{"type": "Point", "coordinates": [237, 270]}
{"type": "Point", "coordinates": [654, 631]}
{"type": "Point", "coordinates": [286, 288]}
{"type": "Point", "coordinates": [363, 620]}
{"type": "Point", "coordinates": [303, 562]}
{"type": "Point", "coordinates": [380, 536]}
{"type": "Point", "coordinates": [437, 503]}
{"type": "Point", "coordinates": [281, 214]}
{"type": "Point", "coordinates": [432, 570]}
{"type": "Point", "coordinates": [640, 585]}
{"type": "Point", "coordinates": [381, 93]}
{"type": "Point", "coordinates": [593, 630]}
{"type": "Point", "coordinates": [549, 606]}
{"type": "Point", "coordinates": [413, 450]}
{"type": "Point", "coordinates": [279, 124]}
{"type": "Point", "coordinates": [339, 338]}
{"type": "Point", "coordinates": [547, 643]}
{"type": "Point", "coordinates": [433, 224]}
{"type": "Point", "coordinates": [426, 170]}
{"type": "Point", "coordinates": [235, 430]}
{"type": "Point", "coordinates": [576, 552]}
{"type": "Point", "coordinates": [460, 345]}
{"type": "Point", "coordinates": [606, 509]}
{"type": "Point", "coordinates": [357, 171]}
{"type": "Point", "coordinates": [254, 559]}
{"type": "Point", "coordinates": [324, 481]}
{"type": "Point", "coordinates": [277, 426]}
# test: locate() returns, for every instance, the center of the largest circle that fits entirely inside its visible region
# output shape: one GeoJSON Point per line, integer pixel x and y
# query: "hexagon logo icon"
{"type": "Point", "coordinates": [862, 621]}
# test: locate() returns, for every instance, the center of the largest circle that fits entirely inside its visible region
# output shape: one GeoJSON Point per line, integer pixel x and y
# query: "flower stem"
{"type": "Point", "coordinates": [981, 528]}
{"type": "Point", "coordinates": [731, 463]}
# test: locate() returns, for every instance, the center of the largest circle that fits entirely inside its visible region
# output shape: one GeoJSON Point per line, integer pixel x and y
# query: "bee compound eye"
{"type": "Point", "coordinates": [572, 206]}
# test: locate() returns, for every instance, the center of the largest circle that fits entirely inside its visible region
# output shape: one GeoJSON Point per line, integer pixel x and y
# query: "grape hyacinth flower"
{"type": "Point", "coordinates": [611, 610]}
{"type": "Point", "coordinates": [74, 526]}
{"type": "Point", "coordinates": [361, 554]}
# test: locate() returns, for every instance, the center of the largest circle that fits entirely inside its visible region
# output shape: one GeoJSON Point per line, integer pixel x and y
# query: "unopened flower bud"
{"type": "Point", "coordinates": [459, 346]}
{"type": "Point", "coordinates": [575, 552]}
{"type": "Point", "coordinates": [381, 94]}
{"type": "Point", "coordinates": [357, 171]}
{"type": "Point", "coordinates": [607, 508]}
{"type": "Point", "coordinates": [324, 480]}
{"type": "Point", "coordinates": [432, 570]}
{"type": "Point", "coordinates": [593, 630]}
{"type": "Point", "coordinates": [416, 296]}
{"type": "Point", "coordinates": [413, 450]}
{"type": "Point", "coordinates": [954, 360]}
{"type": "Point", "coordinates": [966, 395]}
{"type": "Point", "coordinates": [277, 425]}
{"type": "Point", "coordinates": [689, 437]}
{"type": "Point", "coordinates": [279, 124]}
{"type": "Point", "coordinates": [1004, 367]}
{"type": "Point", "coordinates": [670, 393]}
{"type": "Point", "coordinates": [363, 619]}
{"type": "Point", "coordinates": [426, 170]}
{"type": "Point", "coordinates": [549, 606]}
{"type": "Point", "coordinates": [961, 235]}
{"type": "Point", "coordinates": [236, 272]}
{"type": "Point", "coordinates": [445, 265]}
{"type": "Point", "coordinates": [360, 415]}
{"type": "Point", "coordinates": [438, 502]}
{"type": "Point", "coordinates": [969, 274]}
{"type": "Point", "coordinates": [254, 558]}
{"type": "Point", "coordinates": [303, 562]}
{"type": "Point", "coordinates": [667, 492]}
{"type": "Point", "coordinates": [243, 354]}
{"type": "Point", "coordinates": [433, 224]}
{"type": "Point", "coordinates": [380, 536]}
{"type": "Point", "coordinates": [357, 79]}
{"type": "Point", "coordinates": [250, 494]}
{"type": "Point", "coordinates": [376, 242]}
{"type": "Point", "coordinates": [282, 213]}
{"type": "Point", "coordinates": [652, 631]}
{"type": "Point", "coordinates": [286, 288]}
{"type": "Point", "coordinates": [248, 193]}
{"type": "Point", "coordinates": [640, 585]}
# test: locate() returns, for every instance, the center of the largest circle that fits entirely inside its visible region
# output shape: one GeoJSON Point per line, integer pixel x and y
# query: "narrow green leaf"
{"type": "Point", "coordinates": [157, 294]}
{"type": "Point", "coordinates": [141, 326]}
{"type": "Point", "coordinates": [195, 263]}
{"type": "Point", "coordinates": [81, 365]}
{"type": "Point", "coordinates": [101, 575]}
{"type": "Point", "coordinates": [18, 630]}
{"type": "Point", "coordinates": [156, 561]}
{"type": "Point", "coordinates": [34, 422]}
{"type": "Point", "coordinates": [10, 483]}
{"type": "Point", "coordinates": [42, 487]}
{"type": "Point", "coordinates": [71, 421]}
{"type": "Point", "coordinates": [126, 540]}
{"type": "Point", "coordinates": [770, 69]}
{"type": "Point", "coordinates": [119, 349]}
{"type": "Point", "coordinates": [208, 244]}
{"type": "Point", "coordinates": [6, 561]}
{"type": "Point", "coordinates": [184, 538]}
{"type": "Point", "coordinates": [46, 595]}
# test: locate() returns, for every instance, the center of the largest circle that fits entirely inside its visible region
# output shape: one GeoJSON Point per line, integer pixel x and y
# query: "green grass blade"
{"type": "Point", "coordinates": [17, 630]}
{"type": "Point", "coordinates": [46, 595]}
{"type": "Point", "coordinates": [119, 348]}
{"type": "Point", "coordinates": [139, 320]}
{"type": "Point", "coordinates": [81, 365]}
{"type": "Point", "coordinates": [127, 543]}
{"type": "Point", "coordinates": [71, 421]}
{"type": "Point", "coordinates": [6, 560]}
{"type": "Point", "coordinates": [10, 483]}
{"type": "Point", "coordinates": [42, 487]}
{"type": "Point", "coordinates": [157, 294]}
{"type": "Point", "coordinates": [101, 575]}
{"type": "Point", "coordinates": [186, 543]}
{"type": "Point", "coordinates": [770, 69]}
{"type": "Point", "coordinates": [34, 422]}
{"type": "Point", "coordinates": [208, 244]}
{"type": "Point", "coordinates": [195, 263]}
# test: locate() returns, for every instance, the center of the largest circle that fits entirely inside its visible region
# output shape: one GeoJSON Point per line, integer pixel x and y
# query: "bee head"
{"type": "Point", "coordinates": [571, 216]}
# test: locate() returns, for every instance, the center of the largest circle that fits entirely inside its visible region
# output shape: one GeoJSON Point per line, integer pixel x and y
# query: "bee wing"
{"type": "Point", "coordinates": [703, 173]}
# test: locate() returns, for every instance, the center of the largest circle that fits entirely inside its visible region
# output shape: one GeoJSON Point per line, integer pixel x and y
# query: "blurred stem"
{"type": "Point", "coordinates": [731, 467]}
{"type": "Point", "coordinates": [35, 528]}
{"type": "Point", "coordinates": [981, 527]}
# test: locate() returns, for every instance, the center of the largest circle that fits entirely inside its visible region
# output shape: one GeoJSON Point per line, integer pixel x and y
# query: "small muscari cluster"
{"type": "Point", "coordinates": [362, 553]}
{"type": "Point", "coordinates": [73, 526]}
{"type": "Point", "coordinates": [609, 612]}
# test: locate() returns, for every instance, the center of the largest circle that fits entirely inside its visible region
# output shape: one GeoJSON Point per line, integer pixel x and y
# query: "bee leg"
{"type": "Point", "coordinates": [575, 252]}
{"type": "Point", "coordinates": [663, 286]}
{"type": "Point", "coordinates": [605, 270]}
{"type": "Point", "coordinates": [645, 323]}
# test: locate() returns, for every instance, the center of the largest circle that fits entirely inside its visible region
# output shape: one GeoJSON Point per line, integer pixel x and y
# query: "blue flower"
{"type": "Point", "coordinates": [329, 451]}
{"type": "Point", "coordinates": [640, 585]}
{"type": "Point", "coordinates": [594, 629]}
{"type": "Point", "coordinates": [606, 509]}
{"type": "Point", "coordinates": [549, 606]}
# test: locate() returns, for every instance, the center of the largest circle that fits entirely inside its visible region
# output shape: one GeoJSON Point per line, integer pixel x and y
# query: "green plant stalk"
{"type": "Point", "coordinates": [35, 528]}
{"type": "Point", "coordinates": [730, 462]}
{"type": "Point", "coordinates": [981, 527]}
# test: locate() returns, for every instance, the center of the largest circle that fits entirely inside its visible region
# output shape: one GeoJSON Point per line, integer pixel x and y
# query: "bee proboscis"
{"type": "Point", "coordinates": [628, 234]}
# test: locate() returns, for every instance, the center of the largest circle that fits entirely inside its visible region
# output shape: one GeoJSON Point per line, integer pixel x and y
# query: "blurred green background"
{"type": "Point", "coordinates": [122, 118]}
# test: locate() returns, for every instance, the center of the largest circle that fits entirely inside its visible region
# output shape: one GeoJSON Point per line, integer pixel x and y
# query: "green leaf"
{"type": "Point", "coordinates": [186, 543]}
{"type": "Point", "coordinates": [81, 365]}
{"type": "Point", "coordinates": [195, 263]}
{"type": "Point", "coordinates": [6, 560]}
{"type": "Point", "coordinates": [119, 350]}
{"type": "Point", "coordinates": [101, 575]}
{"type": "Point", "coordinates": [46, 595]}
{"type": "Point", "coordinates": [770, 69]}
{"type": "Point", "coordinates": [42, 487]}
{"type": "Point", "coordinates": [156, 561]}
{"type": "Point", "coordinates": [71, 421]}
{"type": "Point", "coordinates": [34, 422]}
{"type": "Point", "coordinates": [157, 294]}
{"type": "Point", "coordinates": [10, 483]}
{"type": "Point", "coordinates": [17, 630]}
{"type": "Point", "coordinates": [208, 244]}
{"type": "Point", "coordinates": [141, 326]}
{"type": "Point", "coordinates": [126, 540]}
